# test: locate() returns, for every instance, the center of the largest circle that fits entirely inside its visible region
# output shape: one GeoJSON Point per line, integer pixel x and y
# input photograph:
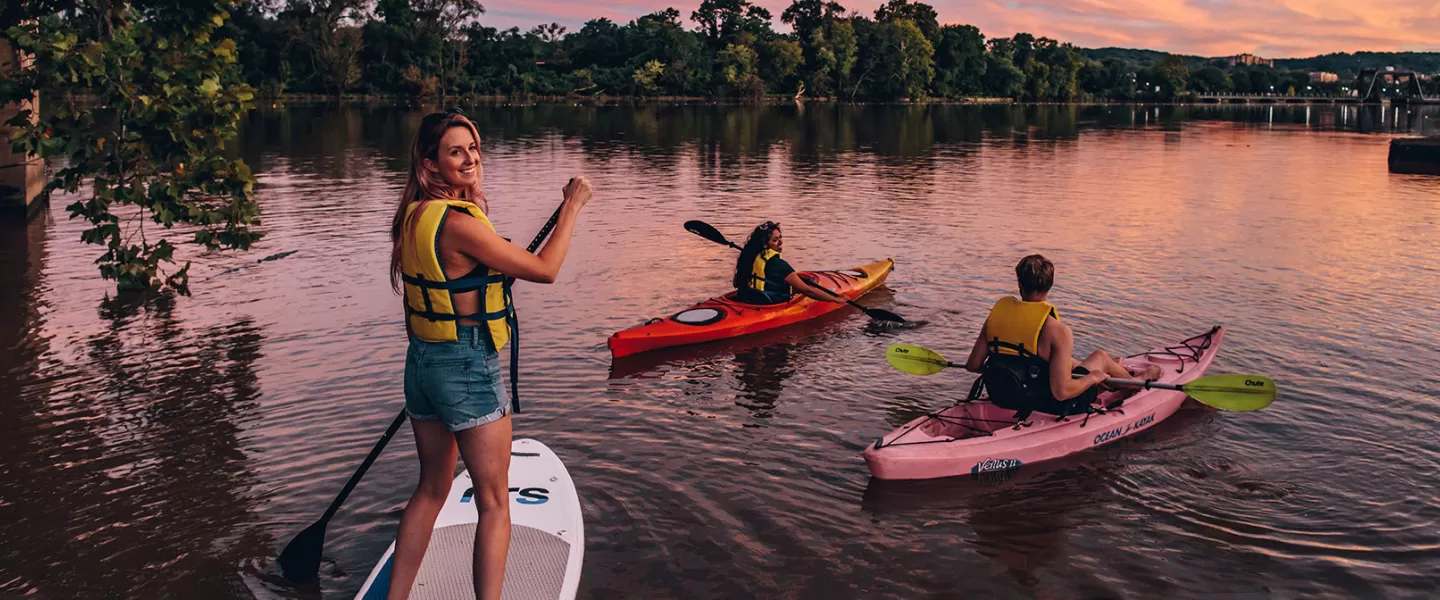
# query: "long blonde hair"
{"type": "Point", "coordinates": [423, 185]}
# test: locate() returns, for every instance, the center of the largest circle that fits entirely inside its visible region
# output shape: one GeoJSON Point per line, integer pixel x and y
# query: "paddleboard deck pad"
{"type": "Point", "coordinates": [547, 537]}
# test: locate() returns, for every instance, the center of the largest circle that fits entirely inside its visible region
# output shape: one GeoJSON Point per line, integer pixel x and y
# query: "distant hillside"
{"type": "Point", "coordinates": [1424, 62]}
{"type": "Point", "coordinates": [1138, 58]}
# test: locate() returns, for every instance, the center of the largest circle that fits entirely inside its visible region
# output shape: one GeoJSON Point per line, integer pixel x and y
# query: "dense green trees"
{"type": "Point", "coordinates": [430, 48]}
{"type": "Point", "coordinates": [139, 99]}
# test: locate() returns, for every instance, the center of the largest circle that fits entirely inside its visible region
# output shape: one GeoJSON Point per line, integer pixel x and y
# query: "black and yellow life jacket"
{"type": "Point", "coordinates": [430, 295]}
{"type": "Point", "coordinates": [774, 291]}
{"type": "Point", "coordinates": [1014, 374]}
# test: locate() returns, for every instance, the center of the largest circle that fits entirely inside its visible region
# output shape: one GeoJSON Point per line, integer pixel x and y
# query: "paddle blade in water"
{"type": "Point", "coordinates": [300, 560]}
{"type": "Point", "coordinates": [1232, 392]}
{"type": "Point", "coordinates": [915, 360]}
{"type": "Point", "coordinates": [881, 314]}
{"type": "Point", "coordinates": [704, 230]}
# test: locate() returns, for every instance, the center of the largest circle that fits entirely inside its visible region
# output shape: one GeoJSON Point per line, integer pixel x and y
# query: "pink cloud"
{"type": "Point", "coordinates": [1279, 28]}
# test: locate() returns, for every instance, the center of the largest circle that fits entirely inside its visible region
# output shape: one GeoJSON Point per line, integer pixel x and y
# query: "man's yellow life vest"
{"type": "Point", "coordinates": [1014, 375]}
{"type": "Point", "coordinates": [1017, 323]}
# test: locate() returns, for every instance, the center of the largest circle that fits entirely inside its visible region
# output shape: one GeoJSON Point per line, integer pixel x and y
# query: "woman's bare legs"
{"type": "Point", "coordinates": [436, 446]}
{"type": "Point", "coordinates": [486, 451]}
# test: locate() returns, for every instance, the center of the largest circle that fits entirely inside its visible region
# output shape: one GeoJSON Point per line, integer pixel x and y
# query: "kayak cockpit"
{"type": "Point", "coordinates": [979, 418]}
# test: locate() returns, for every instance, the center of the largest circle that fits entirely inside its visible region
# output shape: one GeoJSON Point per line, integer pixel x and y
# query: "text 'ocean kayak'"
{"type": "Point", "coordinates": [979, 437]}
{"type": "Point", "coordinates": [723, 317]}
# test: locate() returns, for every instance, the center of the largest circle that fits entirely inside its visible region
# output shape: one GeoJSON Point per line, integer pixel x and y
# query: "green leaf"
{"type": "Point", "coordinates": [226, 48]}
{"type": "Point", "coordinates": [94, 53]}
{"type": "Point", "coordinates": [151, 112]}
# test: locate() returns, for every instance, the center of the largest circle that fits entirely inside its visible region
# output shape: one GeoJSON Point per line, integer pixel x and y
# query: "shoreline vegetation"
{"type": "Point", "coordinates": [434, 49]}
{"type": "Point", "coordinates": [773, 99]}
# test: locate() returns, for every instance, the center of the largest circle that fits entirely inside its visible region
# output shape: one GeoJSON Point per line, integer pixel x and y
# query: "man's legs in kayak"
{"type": "Point", "coordinates": [1099, 360]}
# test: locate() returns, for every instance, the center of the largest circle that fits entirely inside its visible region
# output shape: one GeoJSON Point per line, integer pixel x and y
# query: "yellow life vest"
{"type": "Point", "coordinates": [430, 294]}
{"type": "Point", "coordinates": [776, 290]}
{"type": "Point", "coordinates": [1014, 375]}
{"type": "Point", "coordinates": [1014, 322]}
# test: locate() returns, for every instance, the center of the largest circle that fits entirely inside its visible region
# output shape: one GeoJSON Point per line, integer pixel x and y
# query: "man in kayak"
{"type": "Point", "coordinates": [1023, 352]}
{"type": "Point", "coordinates": [762, 277]}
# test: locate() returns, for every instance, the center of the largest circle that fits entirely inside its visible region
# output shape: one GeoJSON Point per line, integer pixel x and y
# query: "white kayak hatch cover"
{"type": "Point", "coordinates": [699, 316]}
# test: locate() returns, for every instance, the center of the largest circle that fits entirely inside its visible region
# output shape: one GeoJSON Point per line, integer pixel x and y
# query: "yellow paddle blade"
{"type": "Point", "coordinates": [1232, 392]}
{"type": "Point", "coordinates": [915, 360]}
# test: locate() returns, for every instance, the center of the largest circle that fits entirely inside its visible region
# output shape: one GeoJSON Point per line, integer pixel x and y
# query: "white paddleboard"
{"type": "Point", "coordinates": [547, 537]}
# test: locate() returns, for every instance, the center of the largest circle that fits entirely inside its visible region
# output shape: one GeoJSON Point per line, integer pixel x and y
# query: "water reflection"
{"type": "Point", "coordinates": [137, 458]}
{"type": "Point", "coordinates": [125, 468]}
{"type": "Point", "coordinates": [730, 135]}
{"type": "Point", "coordinates": [1022, 520]}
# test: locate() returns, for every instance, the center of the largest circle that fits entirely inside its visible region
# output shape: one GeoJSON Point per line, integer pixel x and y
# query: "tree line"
{"type": "Point", "coordinates": [141, 95]}
{"type": "Point", "coordinates": [722, 48]}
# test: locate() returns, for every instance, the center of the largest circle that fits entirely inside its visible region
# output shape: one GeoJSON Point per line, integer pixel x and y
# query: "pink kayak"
{"type": "Point", "coordinates": [979, 437]}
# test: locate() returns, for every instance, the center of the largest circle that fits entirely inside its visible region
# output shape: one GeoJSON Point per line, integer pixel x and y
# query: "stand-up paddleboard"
{"type": "Point", "coordinates": [547, 537]}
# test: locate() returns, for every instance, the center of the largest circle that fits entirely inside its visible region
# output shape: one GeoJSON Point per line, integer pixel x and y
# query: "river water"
{"type": "Point", "coordinates": [169, 448]}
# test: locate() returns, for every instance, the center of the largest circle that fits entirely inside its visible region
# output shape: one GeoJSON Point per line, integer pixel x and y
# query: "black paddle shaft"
{"type": "Point", "coordinates": [300, 559]}
{"type": "Point", "coordinates": [364, 466]}
{"type": "Point", "coordinates": [544, 231]}
{"type": "Point", "coordinates": [874, 313]}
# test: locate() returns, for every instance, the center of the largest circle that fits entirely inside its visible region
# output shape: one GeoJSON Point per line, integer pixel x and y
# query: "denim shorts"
{"type": "Point", "coordinates": [457, 383]}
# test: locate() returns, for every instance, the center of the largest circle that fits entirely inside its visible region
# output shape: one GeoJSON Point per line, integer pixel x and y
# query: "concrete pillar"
{"type": "Point", "coordinates": [21, 176]}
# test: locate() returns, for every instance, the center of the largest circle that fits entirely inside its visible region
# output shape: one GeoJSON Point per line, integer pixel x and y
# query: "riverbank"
{"type": "Point", "coordinates": [492, 100]}
{"type": "Point", "coordinates": [606, 100]}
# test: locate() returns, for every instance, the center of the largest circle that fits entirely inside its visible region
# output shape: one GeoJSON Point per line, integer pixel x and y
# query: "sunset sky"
{"type": "Point", "coordinates": [1271, 28]}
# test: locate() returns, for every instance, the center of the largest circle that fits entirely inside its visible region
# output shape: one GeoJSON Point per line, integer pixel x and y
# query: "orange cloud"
{"type": "Point", "coordinates": [1276, 28]}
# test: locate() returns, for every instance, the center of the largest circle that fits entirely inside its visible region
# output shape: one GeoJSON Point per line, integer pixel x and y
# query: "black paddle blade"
{"type": "Point", "coordinates": [300, 560]}
{"type": "Point", "coordinates": [881, 314]}
{"type": "Point", "coordinates": [706, 231]}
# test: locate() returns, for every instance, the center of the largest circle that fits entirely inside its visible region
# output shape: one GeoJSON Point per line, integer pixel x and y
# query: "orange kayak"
{"type": "Point", "coordinates": [722, 317]}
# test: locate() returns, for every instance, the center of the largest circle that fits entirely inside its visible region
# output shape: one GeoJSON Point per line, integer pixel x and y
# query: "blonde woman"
{"type": "Point", "coordinates": [451, 267]}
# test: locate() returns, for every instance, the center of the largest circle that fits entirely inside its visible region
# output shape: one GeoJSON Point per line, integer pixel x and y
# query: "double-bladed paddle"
{"type": "Point", "coordinates": [708, 232]}
{"type": "Point", "coordinates": [300, 560]}
{"type": "Point", "coordinates": [1226, 392]}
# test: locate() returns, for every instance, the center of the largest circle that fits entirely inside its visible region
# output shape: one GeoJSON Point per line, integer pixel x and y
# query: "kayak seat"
{"type": "Point", "coordinates": [1021, 382]}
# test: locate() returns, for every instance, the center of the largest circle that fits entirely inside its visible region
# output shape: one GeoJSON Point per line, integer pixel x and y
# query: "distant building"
{"type": "Point", "coordinates": [1248, 59]}
{"type": "Point", "coordinates": [1323, 77]}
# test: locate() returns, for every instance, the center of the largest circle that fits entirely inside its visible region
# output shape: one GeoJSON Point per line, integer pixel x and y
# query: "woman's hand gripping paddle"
{"type": "Point", "coordinates": [1225, 392]}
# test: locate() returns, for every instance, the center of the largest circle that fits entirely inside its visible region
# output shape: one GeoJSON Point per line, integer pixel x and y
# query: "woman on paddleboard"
{"type": "Point", "coordinates": [452, 268]}
{"type": "Point", "coordinates": [762, 277]}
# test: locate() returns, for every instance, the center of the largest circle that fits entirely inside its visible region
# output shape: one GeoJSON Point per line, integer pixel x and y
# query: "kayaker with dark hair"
{"type": "Point", "coordinates": [762, 277]}
{"type": "Point", "coordinates": [1023, 352]}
